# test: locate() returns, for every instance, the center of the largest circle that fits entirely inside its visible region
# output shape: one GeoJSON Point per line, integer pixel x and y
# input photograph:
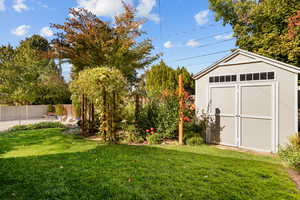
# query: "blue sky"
{"type": "Point", "coordinates": [178, 28]}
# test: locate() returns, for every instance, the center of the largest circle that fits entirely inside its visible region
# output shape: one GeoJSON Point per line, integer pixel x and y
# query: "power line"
{"type": "Point", "coordinates": [214, 43]}
{"type": "Point", "coordinates": [209, 36]}
{"type": "Point", "coordinates": [213, 35]}
{"type": "Point", "coordinates": [160, 25]}
{"type": "Point", "coordinates": [197, 64]}
{"type": "Point", "coordinates": [193, 30]}
{"type": "Point", "coordinates": [203, 55]}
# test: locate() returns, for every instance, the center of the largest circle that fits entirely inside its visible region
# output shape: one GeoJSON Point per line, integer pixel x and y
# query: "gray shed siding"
{"type": "Point", "coordinates": [287, 87]}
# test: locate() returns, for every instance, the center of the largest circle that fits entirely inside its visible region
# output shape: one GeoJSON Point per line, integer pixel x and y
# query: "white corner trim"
{"type": "Point", "coordinates": [277, 117]}
{"type": "Point", "coordinates": [296, 103]}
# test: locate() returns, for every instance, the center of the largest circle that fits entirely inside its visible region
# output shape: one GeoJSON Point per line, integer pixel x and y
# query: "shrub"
{"type": "Point", "coordinates": [40, 125]}
{"type": "Point", "coordinates": [76, 110]}
{"type": "Point", "coordinates": [196, 127]}
{"type": "Point", "coordinates": [168, 117]}
{"type": "Point", "coordinates": [59, 110]}
{"type": "Point", "coordinates": [50, 109]}
{"type": "Point", "coordinates": [129, 113]}
{"type": "Point", "coordinates": [291, 152]}
{"type": "Point", "coordinates": [133, 138]}
{"type": "Point", "coordinates": [193, 141]}
{"type": "Point", "coordinates": [161, 114]}
{"type": "Point", "coordinates": [131, 135]}
{"type": "Point", "coordinates": [291, 155]}
{"type": "Point", "coordinates": [154, 139]}
{"type": "Point", "coordinates": [295, 141]}
{"type": "Point", "coordinates": [148, 117]}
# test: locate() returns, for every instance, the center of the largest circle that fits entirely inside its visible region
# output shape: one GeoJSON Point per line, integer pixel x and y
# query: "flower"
{"type": "Point", "coordinates": [193, 107]}
{"type": "Point", "coordinates": [147, 130]}
{"type": "Point", "coordinates": [186, 119]}
{"type": "Point", "coordinates": [152, 129]}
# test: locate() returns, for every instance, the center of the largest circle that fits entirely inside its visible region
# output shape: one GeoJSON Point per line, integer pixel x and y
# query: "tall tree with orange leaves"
{"type": "Point", "coordinates": [86, 41]}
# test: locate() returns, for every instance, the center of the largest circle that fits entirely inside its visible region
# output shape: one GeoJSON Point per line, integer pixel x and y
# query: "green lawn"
{"type": "Point", "coordinates": [45, 164]}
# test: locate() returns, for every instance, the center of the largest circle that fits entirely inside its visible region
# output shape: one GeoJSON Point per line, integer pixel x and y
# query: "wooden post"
{"type": "Point", "coordinates": [293, 22]}
{"type": "Point", "coordinates": [181, 107]}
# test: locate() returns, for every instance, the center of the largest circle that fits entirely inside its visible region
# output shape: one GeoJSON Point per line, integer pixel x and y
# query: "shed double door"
{"type": "Point", "coordinates": [243, 115]}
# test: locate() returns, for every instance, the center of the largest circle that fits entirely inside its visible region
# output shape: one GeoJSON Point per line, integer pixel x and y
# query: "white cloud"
{"type": "Point", "coordinates": [19, 5]}
{"type": "Point", "coordinates": [46, 32]}
{"type": "Point", "coordinates": [108, 8]}
{"type": "Point", "coordinates": [144, 10]}
{"type": "Point", "coordinates": [168, 44]}
{"type": "Point", "coordinates": [202, 17]}
{"type": "Point", "coordinates": [192, 43]}
{"type": "Point", "coordinates": [111, 8]}
{"type": "Point", "coordinates": [224, 36]}
{"type": "Point", "coordinates": [2, 5]}
{"type": "Point", "coordinates": [41, 4]}
{"type": "Point", "coordinates": [21, 30]}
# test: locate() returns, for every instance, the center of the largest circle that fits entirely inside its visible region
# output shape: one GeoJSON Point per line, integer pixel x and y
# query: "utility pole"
{"type": "Point", "coordinates": [181, 108]}
{"type": "Point", "coordinates": [293, 22]}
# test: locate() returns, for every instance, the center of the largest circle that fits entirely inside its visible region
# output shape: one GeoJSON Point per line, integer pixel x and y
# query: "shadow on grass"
{"type": "Point", "coordinates": [141, 172]}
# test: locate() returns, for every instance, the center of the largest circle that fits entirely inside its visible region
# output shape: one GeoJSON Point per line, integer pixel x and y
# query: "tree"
{"type": "Point", "coordinates": [188, 81]}
{"type": "Point", "coordinates": [7, 75]}
{"type": "Point", "coordinates": [162, 78]}
{"type": "Point", "coordinates": [29, 76]}
{"type": "Point", "coordinates": [261, 27]}
{"type": "Point", "coordinates": [86, 41]}
{"type": "Point", "coordinates": [106, 88]}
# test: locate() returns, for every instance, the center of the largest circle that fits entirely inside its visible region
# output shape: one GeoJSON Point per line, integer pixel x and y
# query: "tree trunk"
{"type": "Point", "coordinates": [113, 118]}
{"type": "Point", "coordinates": [104, 119]}
{"type": "Point", "coordinates": [82, 124]}
{"type": "Point", "coordinates": [137, 107]}
{"type": "Point", "coordinates": [93, 113]}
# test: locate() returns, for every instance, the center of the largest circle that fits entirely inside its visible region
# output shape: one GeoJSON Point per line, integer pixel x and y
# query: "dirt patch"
{"type": "Point", "coordinates": [295, 176]}
{"type": "Point", "coordinates": [245, 150]}
{"type": "Point", "coordinates": [94, 138]}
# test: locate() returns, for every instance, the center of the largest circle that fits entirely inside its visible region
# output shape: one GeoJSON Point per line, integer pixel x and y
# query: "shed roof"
{"type": "Point", "coordinates": [256, 59]}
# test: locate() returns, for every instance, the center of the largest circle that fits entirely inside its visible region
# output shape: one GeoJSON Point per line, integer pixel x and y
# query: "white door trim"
{"type": "Point", "coordinates": [237, 117]}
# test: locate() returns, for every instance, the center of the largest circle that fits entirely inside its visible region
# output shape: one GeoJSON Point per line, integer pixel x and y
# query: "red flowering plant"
{"type": "Point", "coordinates": [150, 131]}
{"type": "Point", "coordinates": [189, 107]}
{"type": "Point", "coordinates": [193, 126]}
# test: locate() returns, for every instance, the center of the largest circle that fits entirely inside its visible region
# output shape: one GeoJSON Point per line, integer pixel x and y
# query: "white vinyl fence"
{"type": "Point", "coordinates": [27, 112]}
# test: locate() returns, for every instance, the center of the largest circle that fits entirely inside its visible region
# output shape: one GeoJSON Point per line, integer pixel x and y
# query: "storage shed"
{"type": "Point", "coordinates": [252, 101]}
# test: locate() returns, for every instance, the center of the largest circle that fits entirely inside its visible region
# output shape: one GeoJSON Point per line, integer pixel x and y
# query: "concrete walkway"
{"type": "Point", "coordinates": [4, 125]}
